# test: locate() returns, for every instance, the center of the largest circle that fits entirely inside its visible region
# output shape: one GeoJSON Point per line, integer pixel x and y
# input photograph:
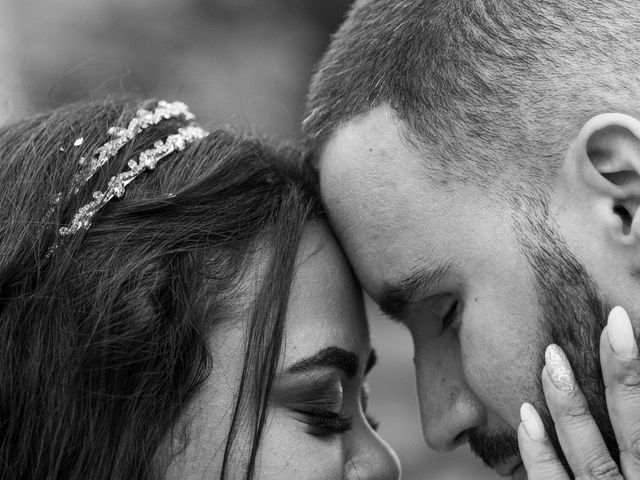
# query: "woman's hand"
{"type": "Point", "coordinates": [579, 436]}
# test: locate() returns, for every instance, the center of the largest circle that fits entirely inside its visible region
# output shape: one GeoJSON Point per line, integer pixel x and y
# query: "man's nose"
{"type": "Point", "coordinates": [449, 410]}
{"type": "Point", "coordinates": [447, 425]}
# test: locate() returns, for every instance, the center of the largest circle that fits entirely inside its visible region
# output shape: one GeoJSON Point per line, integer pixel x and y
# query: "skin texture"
{"type": "Point", "coordinates": [392, 221]}
{"type": "Point", "coordinates": [325, 310]}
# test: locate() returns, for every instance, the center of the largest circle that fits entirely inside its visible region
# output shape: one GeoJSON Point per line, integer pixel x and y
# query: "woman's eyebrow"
{"type": "Point", "coordinates": [332, 357]}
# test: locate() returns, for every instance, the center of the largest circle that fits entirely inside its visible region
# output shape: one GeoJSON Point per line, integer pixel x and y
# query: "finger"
{"type": "Point", "coordinates": [621, 372]}
{"type": "Point", "coordinates": [538, 455]}
{"type": "Point", "coordinates": [578, 433]}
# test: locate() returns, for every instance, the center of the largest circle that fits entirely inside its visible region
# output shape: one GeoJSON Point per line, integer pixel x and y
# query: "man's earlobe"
{"type": "Point", "coordinates": [606, 155]}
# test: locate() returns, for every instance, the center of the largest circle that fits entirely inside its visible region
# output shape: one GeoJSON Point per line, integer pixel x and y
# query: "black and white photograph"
{"type": "Point", "coordinates": [319, 240]}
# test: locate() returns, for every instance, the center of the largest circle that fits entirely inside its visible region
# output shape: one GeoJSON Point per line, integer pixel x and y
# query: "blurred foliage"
{"type": "Point", "coordinates": [238, 61]}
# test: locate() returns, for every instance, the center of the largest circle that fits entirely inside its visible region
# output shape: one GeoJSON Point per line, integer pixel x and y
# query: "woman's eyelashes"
{"type": "Point", "coordinates": [322, 407]}
{"type": "Point", "coordinates": [324, 423]}
{"type": "Point", "coordinates": [316, 400]}
{"type": "Point", "coordinates": [321, 411]}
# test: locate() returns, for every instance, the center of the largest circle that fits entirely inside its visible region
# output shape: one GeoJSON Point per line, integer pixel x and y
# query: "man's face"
{"type": "Point", "coordinates": [446, 261]}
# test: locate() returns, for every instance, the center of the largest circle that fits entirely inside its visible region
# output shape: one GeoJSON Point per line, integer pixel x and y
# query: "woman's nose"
{"type": "Point", "coordinates": [372, 458]}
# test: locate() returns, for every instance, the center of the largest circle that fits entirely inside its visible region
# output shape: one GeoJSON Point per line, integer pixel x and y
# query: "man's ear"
{"type": "Point", "coordinates": [606, 156]}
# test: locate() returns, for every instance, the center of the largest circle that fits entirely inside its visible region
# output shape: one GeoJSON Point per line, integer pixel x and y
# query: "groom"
{"type": "Point", "coordinates": [480, 163]}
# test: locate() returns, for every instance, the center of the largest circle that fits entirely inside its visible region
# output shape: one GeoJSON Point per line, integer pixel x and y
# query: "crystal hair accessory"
{"type": "Point", "coordinates": [143, 119]}
{"type": "Point", "coordinates": [117, 184]}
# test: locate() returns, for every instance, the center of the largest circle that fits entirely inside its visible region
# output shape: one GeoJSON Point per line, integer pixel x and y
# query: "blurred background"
{"type": "Point", "coordinates": [245, 62]}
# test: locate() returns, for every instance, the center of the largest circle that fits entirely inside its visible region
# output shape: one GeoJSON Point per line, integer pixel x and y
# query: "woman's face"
{"type": "Point", "coordinates": [317, 427]}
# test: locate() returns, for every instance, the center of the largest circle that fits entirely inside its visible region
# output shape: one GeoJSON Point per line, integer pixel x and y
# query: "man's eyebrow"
{"type": "Point", "coordinates": [332, 357]}
{"type": "Point", "coordinates": [396, 296]}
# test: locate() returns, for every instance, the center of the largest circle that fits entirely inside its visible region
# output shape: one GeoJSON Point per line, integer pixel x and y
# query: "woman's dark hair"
{"type": "Point", "coordinates": [103, 342]}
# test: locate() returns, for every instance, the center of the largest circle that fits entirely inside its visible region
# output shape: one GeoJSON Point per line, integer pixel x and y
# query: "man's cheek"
{"type": "Point", "coordinates": [501, 369]}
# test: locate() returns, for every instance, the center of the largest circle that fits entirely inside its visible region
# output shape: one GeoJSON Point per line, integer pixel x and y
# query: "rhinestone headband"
{"type": "Point", "coordinates": [143, 119]}
{"type": "Point", "coordinates": [147, 160]}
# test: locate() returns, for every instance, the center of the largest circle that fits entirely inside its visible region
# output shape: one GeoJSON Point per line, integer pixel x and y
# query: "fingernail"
{"type": "Point", "coordinates": [559, 368]}
{"type": "Point", "coordinates": [532, 422]}
{"type": "Point", "coordinates": [620, 333]}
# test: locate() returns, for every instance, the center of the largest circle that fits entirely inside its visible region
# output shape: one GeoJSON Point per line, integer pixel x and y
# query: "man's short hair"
{"type": "Point", "coordinates": [492, 91]}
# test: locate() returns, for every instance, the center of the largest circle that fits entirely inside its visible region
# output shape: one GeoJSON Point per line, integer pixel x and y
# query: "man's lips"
{"type": "Point", "coordinates": [507, 469]}
{"type": "Point", "coordinates": [519, 473]}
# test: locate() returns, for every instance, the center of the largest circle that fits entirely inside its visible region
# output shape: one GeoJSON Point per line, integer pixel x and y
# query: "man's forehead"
{"type": "Point", "coordinates": [363, 145]}
{"type": "Point", "coordinates": [387, 212]}
{"type": "Point", "coordinates": [363, 164]}
{"type": "Point", "coordinates": [375, 191]}
{"type": "Point", "coordinates": [354, 182]}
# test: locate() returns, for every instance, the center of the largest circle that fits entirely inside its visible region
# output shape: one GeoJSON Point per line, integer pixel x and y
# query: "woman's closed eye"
{"type": "Point", "coordinates": [323, 422]}
{"type": "Point", "coordinates": [324, 419]}
{"type": "Point", "coordinates": [316, 396]}
{"type": "Point", "coordinates": [322, 412]}
{"type": "Point", "coordinates": [315, 400]}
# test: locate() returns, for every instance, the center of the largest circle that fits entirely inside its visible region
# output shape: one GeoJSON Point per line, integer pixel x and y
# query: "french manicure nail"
{"type": "Point", "coordinates": [559, 369]}
{"type": "Point", "coordinates": [532, 422]}
{"type": "Point", "coordinates": [620, 333]}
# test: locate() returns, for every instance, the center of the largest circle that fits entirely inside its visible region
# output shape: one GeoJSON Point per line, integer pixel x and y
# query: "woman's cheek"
{"type": "Point", "coordinates": [288, 451]}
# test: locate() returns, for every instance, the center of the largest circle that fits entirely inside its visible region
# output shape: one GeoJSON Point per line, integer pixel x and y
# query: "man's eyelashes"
{"type": "Point", "coordinates": [450, 316]}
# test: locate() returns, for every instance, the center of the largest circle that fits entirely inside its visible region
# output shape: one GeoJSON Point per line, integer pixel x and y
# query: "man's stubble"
{"type": "Point", "coordinates": [572, 316]}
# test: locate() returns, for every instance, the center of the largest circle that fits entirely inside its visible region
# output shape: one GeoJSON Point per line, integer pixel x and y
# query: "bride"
{"type": "Point", "coordinates": [174, 305]}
